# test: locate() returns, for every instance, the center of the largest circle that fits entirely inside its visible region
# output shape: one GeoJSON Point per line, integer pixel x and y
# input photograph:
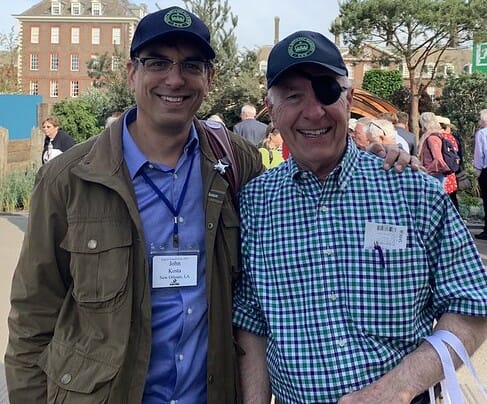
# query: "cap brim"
{"type": "Point", "coordinates": [334, 69]}
{"type": "Point", "coordinates": [164, 37]}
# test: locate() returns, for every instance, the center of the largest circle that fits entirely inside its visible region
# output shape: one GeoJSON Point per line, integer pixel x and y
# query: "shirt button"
{"type": "Point", "coordinates": [92, 244]}
{"type": "Point", "coordinates": [175, 176]}
{"type": "Point", "coordinates": [174, 401]}
{"type": "Point", "coordinates": [210, 225]}
{"type": "Point", "coordinates": [329, 252]}
{"type": "Point", "coordinates": [211, 379]}
{"type": "Point", "coordinates": [190, 310]}
{"type": "Point", "coordinates": [342, 343]}
{"type": "Point", "coordinates": [150, 166]}
{"type": "Point", "coordinates": [181, 357]}
{"type": "Point", "coordinates": [181, 219]}
{"type": "Point", "coordinates": [333, 296]}
{"type": "Point", "coordinates": [66, 378]}
{"type": "Point", "coordinates": [323, 208]}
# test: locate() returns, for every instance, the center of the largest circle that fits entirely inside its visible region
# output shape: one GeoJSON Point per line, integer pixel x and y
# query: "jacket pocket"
{"type": "Point", "coordinates": [100, 255]}
{"type": "Point", "coordinates": [75, 378]}
{"type": "Point", "coordinates": [231, 237]}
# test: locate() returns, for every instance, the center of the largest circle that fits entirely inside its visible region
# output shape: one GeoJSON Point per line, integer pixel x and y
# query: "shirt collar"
{"type": "Point", "coordinates": [134, 158]}
{"type": "Point", "coordinates": [342, 173]}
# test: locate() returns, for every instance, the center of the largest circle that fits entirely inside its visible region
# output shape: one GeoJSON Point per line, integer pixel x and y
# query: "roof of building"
{"type": "Point", "coordinates": [109, 8]}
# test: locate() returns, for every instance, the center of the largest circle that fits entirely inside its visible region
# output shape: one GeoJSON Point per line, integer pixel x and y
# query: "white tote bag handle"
{"type": "Point", "coordinates": [452, 394]}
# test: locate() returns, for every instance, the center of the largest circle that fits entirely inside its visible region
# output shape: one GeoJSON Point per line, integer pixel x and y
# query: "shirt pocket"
{"type": "Point", "coordinates": [231, 237]}
{"type": "Point", "coordinates": [99, 264]}
{"type": "Point", "coordinates": [387, 291]}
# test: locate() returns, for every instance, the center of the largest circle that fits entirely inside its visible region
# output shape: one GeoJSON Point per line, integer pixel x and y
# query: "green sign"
{"type": "Point", "coordinates": [479, 57]}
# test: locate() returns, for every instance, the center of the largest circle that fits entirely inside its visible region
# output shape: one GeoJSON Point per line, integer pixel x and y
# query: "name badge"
{"type": "Point", "coordinates": [174, 271]}
{"type": "Point", "coordinates": [387, 236]}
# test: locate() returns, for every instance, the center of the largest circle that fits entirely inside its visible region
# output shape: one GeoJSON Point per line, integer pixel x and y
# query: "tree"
{"type": "Point", "coordinates": [8, 66]}
{"type": "Point", "coordinates": [237, 80]}
{"type": "Point", "coordinates": [78, 118]}
{"type": "Point", "coordinates": [417, 31]}
{"type": "Point", "coordinates": [383, 83]}
{"type": "Point", "coordinates": [462, 100]}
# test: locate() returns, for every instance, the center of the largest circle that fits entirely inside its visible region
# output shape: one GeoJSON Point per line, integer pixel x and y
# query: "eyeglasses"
{"type": "Point", "coordinates": [326, 88]}
{"type": "Point", "coordinates": [378, 127]}
{"type": "Point", "coordinates": [163, 65]}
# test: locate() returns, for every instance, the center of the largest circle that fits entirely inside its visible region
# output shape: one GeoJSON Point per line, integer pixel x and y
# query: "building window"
{"type": "Point", "coordinates": [95, 8]}
{"type": "Point", "coordinates": [74, 63]}
{"type": "Point", "coordinates": [75, 35]}
{"type": "Point", "coordinates": [75, 9]}
{"type": "Point", "coordinates": [115, 63]}
{"type": "Point", "coordinates": [116, 36]}
{"type": "Point", "coordinates": [34, 61]}
{"type": "Point", "coordinates": [56, 8]}
{"type": "Point", "coordinates": [74, 88]}
{"type": "Point", "coordinates": [54, 35]}
{"type": "Point", "coordinates": [34, 35]}
{"type": "Point", "coordinates": [34, 87]}
{"type": "Point", "coordinates": [95, 36]}
{"type": "Point", "coordinates": [53, 88]}
{"type": "Point", "coordinates": [54, 62]}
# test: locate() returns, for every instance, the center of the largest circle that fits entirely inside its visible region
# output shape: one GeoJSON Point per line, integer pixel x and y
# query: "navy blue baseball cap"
{"type": "Point", "coordinates": [300, 48]}
{"type": "Point", "coordinates": [171, 22]}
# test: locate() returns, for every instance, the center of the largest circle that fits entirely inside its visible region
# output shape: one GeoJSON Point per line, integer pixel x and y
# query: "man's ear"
{"type": "Point", "coordinates": [131, 68]}
{"type": "Point", "coordinates": [211, 77]}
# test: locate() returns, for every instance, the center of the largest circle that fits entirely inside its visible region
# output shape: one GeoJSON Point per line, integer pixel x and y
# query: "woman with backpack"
{"type": "Point", "coordinates": [438, 153]}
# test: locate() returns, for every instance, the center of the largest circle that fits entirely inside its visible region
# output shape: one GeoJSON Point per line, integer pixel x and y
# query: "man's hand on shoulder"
{"type": "Point", "coordinates": [394, 157]}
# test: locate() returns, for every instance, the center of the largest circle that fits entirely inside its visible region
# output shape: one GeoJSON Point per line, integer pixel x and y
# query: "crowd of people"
{"type": "Point", "coordinates": [145, 278]}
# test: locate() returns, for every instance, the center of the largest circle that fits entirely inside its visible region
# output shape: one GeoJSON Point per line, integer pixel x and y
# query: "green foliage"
{"type": "Point", "coordinates": [8, 69]}
{"type": "Point", "coordinates": [416, 31]}
{"type": "Point", "coordinates": [237, 80]}
{"type": "Point", "coordinates": [383, 83]}
{"type": "Point", "coordinates": [16, 189]}
{"type": "Point", "coordinates": [462, 100]}
{"type": "Point", "coordinates": [402, 99]}
{"type": "Point", "coordinates": [78, 117]}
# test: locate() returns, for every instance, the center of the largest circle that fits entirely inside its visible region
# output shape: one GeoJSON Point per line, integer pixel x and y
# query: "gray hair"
{"type": "Point", "coordinates": [381, 128]}
{"type": "Point", "coordinates": [428, 121]}
{"type": "Point", "coordinates": [483, 115]}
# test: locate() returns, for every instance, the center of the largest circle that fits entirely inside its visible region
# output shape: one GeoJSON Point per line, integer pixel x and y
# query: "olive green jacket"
{"type": "Point", "coordinates": [80, 319]}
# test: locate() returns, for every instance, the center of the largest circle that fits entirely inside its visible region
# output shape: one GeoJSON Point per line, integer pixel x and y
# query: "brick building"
{"type": "Point", "coordinates": [57, 38]}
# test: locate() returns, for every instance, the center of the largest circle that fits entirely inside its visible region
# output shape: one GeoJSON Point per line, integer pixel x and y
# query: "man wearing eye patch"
{"type": "Point", "coordinates": [345, 266]}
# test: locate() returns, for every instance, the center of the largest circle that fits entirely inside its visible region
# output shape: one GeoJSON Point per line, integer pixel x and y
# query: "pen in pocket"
{"type": "Point", "coordinates": [381, 254]}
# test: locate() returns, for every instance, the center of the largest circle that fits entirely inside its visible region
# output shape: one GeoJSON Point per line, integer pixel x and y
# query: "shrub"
{"type": "Point", "coordinates": [16, 189]}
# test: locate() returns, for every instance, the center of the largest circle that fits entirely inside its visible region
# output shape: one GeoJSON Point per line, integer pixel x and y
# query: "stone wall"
{"type": "Point", "coordinates": [18, 155]}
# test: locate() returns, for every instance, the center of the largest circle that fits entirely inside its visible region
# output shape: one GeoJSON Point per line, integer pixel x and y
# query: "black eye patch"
{"type": "Point", "coordinates": [326, 88]}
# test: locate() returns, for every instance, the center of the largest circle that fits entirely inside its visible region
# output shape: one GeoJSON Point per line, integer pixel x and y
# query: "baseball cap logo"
{"type": "Point", "coordinates": [301, 47]}
{"type": "Point", "coordinates": [177, 18]}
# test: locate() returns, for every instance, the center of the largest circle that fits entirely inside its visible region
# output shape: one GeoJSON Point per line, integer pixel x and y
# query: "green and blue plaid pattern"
{"type": "Point", "coordinates": [338, 316]}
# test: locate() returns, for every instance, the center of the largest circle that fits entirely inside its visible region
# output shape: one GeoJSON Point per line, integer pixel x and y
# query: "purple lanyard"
{"type": "Point", "coordinates": [175, 211]}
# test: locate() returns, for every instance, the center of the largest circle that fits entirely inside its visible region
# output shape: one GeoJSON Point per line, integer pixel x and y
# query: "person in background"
{"type": "Point", "coordinates": [400, 127]}
{"type": "Point", "coordinates": [216, 118]}
{"type": "Point", "coordinates": [382, 131]}
{"type": "Point", "coordinates": [359, 134]}
{"type": "Point", "coordinates": [429, 149]}
{"type": "Point", "coordinates": [480, 165]}
{"type": "Point", "coordinates": [450, 185]}
{"type": "Point", "coordinates": [249, 127]}
{"type": "Point", "coordinates": [56, 141]}
{"type": "Point", "coordinates": [345, 267]}
{"type": "Point", "coordinates": [112, 118]}
{"type": "Point", "coordinates": [271, 147]}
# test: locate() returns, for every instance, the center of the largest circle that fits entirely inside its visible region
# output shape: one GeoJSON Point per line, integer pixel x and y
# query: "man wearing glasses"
{"type": "Point", "coordinates": [345, 266]}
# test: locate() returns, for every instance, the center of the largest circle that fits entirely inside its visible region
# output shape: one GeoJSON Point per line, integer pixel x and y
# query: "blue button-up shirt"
{"type": "Point", "coordinates": [480, 150]}
{"type": "Point", "coordinates": [177, 368]}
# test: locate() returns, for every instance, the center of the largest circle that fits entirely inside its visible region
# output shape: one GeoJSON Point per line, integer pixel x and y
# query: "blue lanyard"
{"type": "Point", "coordinates": [175, 211]}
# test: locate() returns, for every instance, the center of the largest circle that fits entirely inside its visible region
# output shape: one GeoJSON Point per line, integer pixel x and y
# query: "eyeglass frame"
{"type": "Point", "coordinates": [206, 65]}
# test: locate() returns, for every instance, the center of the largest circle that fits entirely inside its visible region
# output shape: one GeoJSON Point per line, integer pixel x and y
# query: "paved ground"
{"type": "Point", "coordinates": [12, 228]}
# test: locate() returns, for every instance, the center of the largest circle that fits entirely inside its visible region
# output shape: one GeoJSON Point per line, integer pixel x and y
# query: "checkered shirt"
{"type": "Point", "coordinates": [338, 315]}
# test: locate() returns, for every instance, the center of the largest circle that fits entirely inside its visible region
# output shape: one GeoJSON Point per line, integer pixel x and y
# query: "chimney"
{"type": "Point", "coordinates": [276, 30]}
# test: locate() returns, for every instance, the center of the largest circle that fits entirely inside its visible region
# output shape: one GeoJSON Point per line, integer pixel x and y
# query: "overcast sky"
{"type": "Point", "coordinates": [255, 17]}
